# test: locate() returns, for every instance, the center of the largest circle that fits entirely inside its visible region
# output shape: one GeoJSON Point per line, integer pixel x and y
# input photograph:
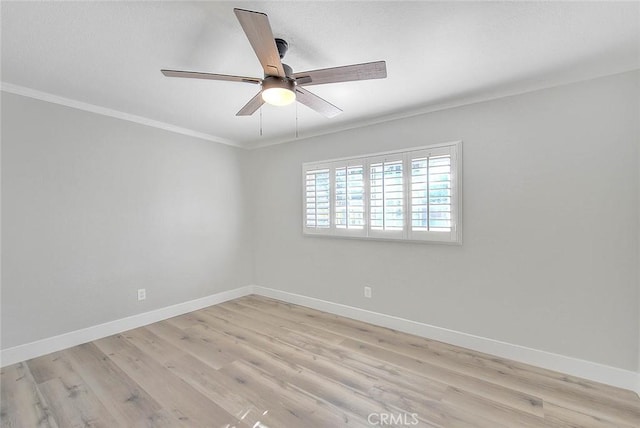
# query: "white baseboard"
{"type": "Point", "coordinates": [620, 378]}
{"type": "Point", "coordinates": [67, 340]}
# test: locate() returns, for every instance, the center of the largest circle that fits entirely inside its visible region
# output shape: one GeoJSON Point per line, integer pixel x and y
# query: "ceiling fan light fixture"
{"type": "Point", "coordinates": [278, 96]}
{"type": "Point", "coordinates": [278, 91]}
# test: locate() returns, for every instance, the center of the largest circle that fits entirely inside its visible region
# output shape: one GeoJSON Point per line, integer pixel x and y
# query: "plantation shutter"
{"type": "Point", "coordinates": [317, 198]}
{"type": "Point", "coordinates": [432, 194]}
{"type": "Point", "coordinates": [386, 196]}
{"type": "Point", "coordinates": [349, 210]}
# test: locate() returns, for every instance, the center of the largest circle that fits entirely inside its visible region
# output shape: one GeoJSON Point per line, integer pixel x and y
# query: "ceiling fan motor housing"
{"type": "Point", "coordinates": [278, 82]}
{"type": "Point", "coordinates": [288, 82]}
{"type": "Point", "coordinates": [282, 46]}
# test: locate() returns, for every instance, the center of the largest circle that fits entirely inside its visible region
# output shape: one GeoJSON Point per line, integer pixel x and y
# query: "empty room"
{"type": "Point", "coordinates": [320, 214]}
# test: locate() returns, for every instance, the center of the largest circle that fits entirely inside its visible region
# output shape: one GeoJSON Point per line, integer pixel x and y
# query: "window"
{"type": "Point", "coordinates": [407, 195]}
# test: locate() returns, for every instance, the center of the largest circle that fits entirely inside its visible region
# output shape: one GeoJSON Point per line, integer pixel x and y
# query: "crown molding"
{"type": "Point", "coordinates": [312, 133]}
{"type": "Point", "coordinates": [68, 102]}
{"type": "Point", "coordinates": [457, 102]}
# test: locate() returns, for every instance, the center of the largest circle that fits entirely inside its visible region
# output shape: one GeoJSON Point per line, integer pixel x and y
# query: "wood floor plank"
{"type": "Point", "coordinates": [74, 405]}
{"type": "Point", "coordinates": [183, 402]}
{"type": "Point", "coordinates": [21, 402]}
{"type": "Point", "coordinates": [458, 417]}
{"type": "Point", "coordinates": [492, 410]}
{"type": "Point", "coordinates": [201, 347]}
{"type": "Point", "coordinates": [282, 322]}
{"type": "Point", "coordinates": [572, 419]}
{"type": "Point", "coordinates": [72, 400]}
{"type": "Point", "coordinates": [243, 398]}
{"type": "Point", "coordinates": [325, 412]}
{"type": "Point", "coordinates": [131, 405]}
{"type": "Point", "coordinates": [263, 363]}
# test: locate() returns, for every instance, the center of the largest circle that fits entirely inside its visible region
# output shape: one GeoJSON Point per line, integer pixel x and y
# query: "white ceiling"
{"type": "Point", "coordinates": [109, 54]}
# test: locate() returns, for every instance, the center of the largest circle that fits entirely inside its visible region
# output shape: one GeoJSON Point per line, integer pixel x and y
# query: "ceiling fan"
{"type": "Point", "coordinates": [280, 85]}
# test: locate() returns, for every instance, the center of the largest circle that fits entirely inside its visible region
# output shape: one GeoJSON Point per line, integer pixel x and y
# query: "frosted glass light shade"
{"type": "Point", "coordinates": [278, 96]}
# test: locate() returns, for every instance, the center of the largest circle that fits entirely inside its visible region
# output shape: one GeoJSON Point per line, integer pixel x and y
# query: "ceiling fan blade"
{"type": "Point", "coordinates": [256, 27]}
{"type": "Point", "coordinates": [210, 76]}
{"type": "Point", "coordinates": [347, 73]}
{"type": "Point", "coordinates": [316, 103]}
{"type": "Point", "coordinates": [254, 104]}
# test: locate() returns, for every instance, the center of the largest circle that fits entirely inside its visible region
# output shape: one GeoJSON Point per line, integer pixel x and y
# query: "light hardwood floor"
{"type": "Point", "coordinates": [257, 362]}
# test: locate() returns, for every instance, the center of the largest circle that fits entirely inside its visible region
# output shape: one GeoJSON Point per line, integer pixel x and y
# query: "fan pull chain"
{"type": "Point", "coordinates": [296, 120]}
{"type": "Point", "coordinates": [261, 121]}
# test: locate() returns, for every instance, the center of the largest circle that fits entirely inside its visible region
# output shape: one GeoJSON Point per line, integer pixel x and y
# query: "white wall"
{"type": "Point", "coordinates": [95, 207]}
{"type": "Point", "coordinates": [550, 253]}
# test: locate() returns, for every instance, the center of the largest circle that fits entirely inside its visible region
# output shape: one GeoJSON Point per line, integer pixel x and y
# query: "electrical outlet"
{"type": "Point", "coordinates": [142, 293]}
{"type": "Point", "coordinates": [367, 292]}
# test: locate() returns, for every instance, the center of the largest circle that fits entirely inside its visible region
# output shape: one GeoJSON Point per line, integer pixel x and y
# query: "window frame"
{"type": "Point", "coordinates": [454, 236]}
